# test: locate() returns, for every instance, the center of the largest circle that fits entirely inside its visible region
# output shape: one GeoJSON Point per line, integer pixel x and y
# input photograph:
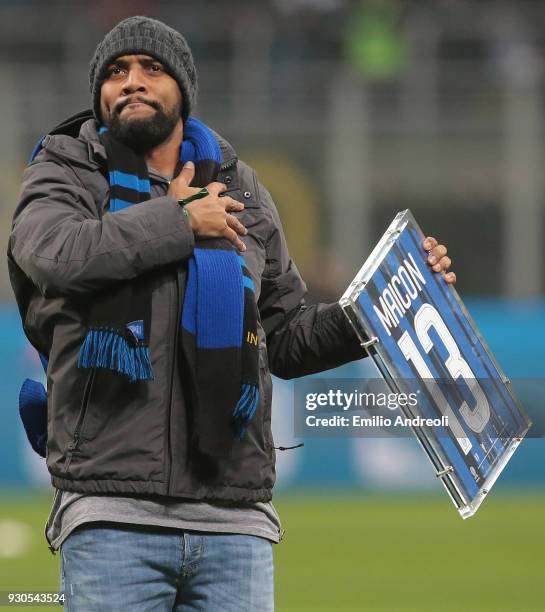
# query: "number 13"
{"type": "Point", "coordinates": [476, 419]}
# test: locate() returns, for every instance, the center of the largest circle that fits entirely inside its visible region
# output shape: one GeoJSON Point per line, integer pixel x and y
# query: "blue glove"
{"type": "Point", "coordinates": [33, 411]}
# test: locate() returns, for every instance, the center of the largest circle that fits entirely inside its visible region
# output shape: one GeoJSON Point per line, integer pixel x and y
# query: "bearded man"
{"type": "Point", "coordinates": [153, 278]}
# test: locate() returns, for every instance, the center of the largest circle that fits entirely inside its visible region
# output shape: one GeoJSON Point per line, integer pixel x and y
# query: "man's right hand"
{"type": "Point", "coordinates": [209, 216]}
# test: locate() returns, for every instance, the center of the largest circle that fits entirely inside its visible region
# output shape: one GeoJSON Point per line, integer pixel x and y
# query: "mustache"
{"type": "Point", "coordinates": [119, 107]}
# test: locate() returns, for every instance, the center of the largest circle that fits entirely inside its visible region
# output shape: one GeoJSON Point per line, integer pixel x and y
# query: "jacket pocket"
{"type": "Point", "coordinates": [80, 421]}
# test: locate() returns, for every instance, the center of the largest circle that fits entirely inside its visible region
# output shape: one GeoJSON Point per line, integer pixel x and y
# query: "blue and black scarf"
{"type": "Point", "coordinates": [219, 344]}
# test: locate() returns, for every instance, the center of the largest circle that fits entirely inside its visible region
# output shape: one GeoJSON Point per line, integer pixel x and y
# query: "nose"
{"type": "Point", "coordinates": [134, 82]}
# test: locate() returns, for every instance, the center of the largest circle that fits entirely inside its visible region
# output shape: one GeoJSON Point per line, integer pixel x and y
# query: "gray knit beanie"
{"type": "Point", "coordinates": [150, 37]}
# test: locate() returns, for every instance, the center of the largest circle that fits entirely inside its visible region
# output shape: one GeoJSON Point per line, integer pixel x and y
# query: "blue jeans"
{"type": "Point", "coordinates": [113, 566]}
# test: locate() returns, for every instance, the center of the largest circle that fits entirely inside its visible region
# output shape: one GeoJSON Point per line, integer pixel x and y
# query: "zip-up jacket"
{"type": "Point", "coordinates": [105, 434]}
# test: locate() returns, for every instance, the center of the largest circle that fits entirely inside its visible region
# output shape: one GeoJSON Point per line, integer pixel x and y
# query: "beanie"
{"type": "Point", "coordinates": [147, 36]}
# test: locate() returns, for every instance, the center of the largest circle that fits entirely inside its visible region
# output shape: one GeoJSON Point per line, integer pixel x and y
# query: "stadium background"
{"type": "Point", "coordinates": [350, 111]}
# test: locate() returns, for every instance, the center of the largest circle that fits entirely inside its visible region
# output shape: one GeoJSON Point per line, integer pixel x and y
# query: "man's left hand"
{"type": "Point", "coordinates": [437, 258]}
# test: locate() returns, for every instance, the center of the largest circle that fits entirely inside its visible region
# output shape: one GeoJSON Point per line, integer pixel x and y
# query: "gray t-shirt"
{"type": "Point", "coordinates": [72, 509]}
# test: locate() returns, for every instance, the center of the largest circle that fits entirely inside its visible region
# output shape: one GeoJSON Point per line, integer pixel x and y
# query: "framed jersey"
{"type": "Point", "coordinates": [423, 340]}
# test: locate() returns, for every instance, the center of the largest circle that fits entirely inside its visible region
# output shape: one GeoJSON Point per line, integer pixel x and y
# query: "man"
{"type": "Point", "coordinates": [152, 275]}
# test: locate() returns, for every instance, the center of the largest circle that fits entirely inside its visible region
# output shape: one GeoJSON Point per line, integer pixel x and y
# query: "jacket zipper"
{"type": "Point", "coordinates": [81, 416]}
{"type": "Point", "coordinates": [228, 164]}
{"type": "Point", "coordinates": [171, 390]}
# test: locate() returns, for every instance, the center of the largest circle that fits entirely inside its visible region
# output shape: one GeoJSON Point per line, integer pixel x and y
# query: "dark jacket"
{"type": "Point", "coordinates": [106, 435]}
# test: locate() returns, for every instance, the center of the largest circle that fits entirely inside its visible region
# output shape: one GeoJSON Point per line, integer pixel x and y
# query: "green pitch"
{"type": "Point", "coordinates": [346, 553]}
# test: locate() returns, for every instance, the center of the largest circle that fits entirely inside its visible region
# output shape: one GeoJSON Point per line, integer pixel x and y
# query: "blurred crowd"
{"type": "Point", "coordinates": [350, 110]}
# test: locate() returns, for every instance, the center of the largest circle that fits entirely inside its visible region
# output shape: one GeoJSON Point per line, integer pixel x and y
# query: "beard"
{"type": "Point", "coordinates": [143, 134]}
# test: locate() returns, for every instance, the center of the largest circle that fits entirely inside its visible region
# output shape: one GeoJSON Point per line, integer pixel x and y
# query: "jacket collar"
{"type": "Point", "coordinates": [84, 126]}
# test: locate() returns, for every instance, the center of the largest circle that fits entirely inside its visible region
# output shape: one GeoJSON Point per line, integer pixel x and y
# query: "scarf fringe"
{"type": "Point", "coordinates": [109, 350]}
{"type": "Point", "coordinates": [245, 409]}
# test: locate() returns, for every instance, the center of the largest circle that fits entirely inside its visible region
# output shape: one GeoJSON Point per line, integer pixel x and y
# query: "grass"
{"type": "Point", "coordinates": [344, 553]}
